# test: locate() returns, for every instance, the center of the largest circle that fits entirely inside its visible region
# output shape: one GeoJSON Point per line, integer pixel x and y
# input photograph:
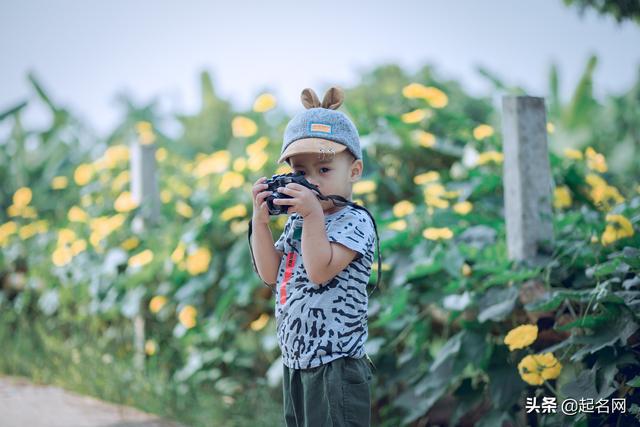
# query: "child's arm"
{"type": "Point", "coordinates": [266, 256]}
{"type": "Point", "coordinates": [322, 260]}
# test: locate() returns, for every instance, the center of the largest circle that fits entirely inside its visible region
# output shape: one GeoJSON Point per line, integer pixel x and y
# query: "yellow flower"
{"type": "Point", "coordinates": [130, 243]}
{"type": "Point", "coordinates": [385, 266]}
{"type": "Point", "coordinates": [198, 262]}
{"type": "Point", "coordinates": [145, 133]}
{"type": "Point", "coordinates": [414, 116]}
{"type": "Point", "coordinates": [364, 186]}
{"type": "Point", "coordinates": [61, 256]}
{"type": "Point", "coordinates": [602, 193]}
{"type": "Point", "coordinates": [178, 253]}
{"type": "Point", "coordinates": [435, 233]}
{"type": "Point", "coordinates": [243, 127]}
{"type": "Point", "coordinates": [258, 146]}
{"type": "Point", "coordinates": [403, 208]}
{"type": "Point", "coordinates": [426, 177]}
{"type": "Point", "coordinates": [78, 246]}
{"type": "Point", "coordinates": [466, 270]}
{"type": "Point", "coordinates": [161, 154]}
{"type": "Point", "coordinates": [239, 164]}
{"type": "Point", "coordinates": [562, 197]}
{"type": "Point", "coordinates": [490, 156]}
{"type": "Point", "coordinates": [482, 131]}
{"type": "Point", "coordinates": [595, 160]}
{"type": "Point", "coordinates": [618, 228]}
{"type": "Point", "coordinates": [32, 229]}
{"type": "Point", "coordinates": [22, 197]}
{"type": "Point", "coordinates": [432, 196]}
{"type": "Point", "coordinates": [595, 180]}
{"type": "Point", "coordinates": [239, 227]}
{"type": "Point", "coordinates": [6, 230]}
{"type": "Point", "coordinates": [535, 368]}
{"type": "Point", "coordinates": [236, 211]}
{"type": "Point", "coordinates": [141, 259]}
{"type": "Point", "coordinates": [165, 196]}
{"type": "Point", "coordinates": [217, 162]}
{"type": "Point", "coordinates": [550, 127]}
{"type": "Point", "coordinates": [257, 161]}
{"type": "Point", "coordinates": [76, 214]}
{"type": "Point", "coordinates": [436, 202]}
{"type": "Point", "coordinates": [264, 102]}
{"type": "Point", "coordinates": [398, 225]}
{"type": "Point", "coordinates": [425, 139]}
{"type": "Point", "coordinates": [157, 302]}
{"type": "Point", "coordinates": [434, 96]}
{"type": "Point", "coordinates": [83, 174]}
{"type": "Point", "coordinates": [116, 154]}
{"type": "Point", "coordinates": [230, 180]}
{"type": "Point", "coordinates": [29, 212]}
{"type": "Point", "coordinates": [573, 154]}
{"type": "Point", "coordinates": [414, 90]}
{"type": "Point", "coordinates": [150, 347]}
{"type": "Point", "coordinates": [184, 209]}
{"type": "Point", "coordinates": [65, 235]}
{"type": "Point", "coordinates": [463, 208]}
{"type": "Point", "coordinates": [125, 202]}
{"type": "Point", "coordinates": [59, 182]}
{"type": "Point", "coordinates": [187, 316]}
{"type": "Point", "coordinates": [521, 337]}
{"type": "Point", "coordinates": [285, 168]}
{"type": "Point", "coordinates": [260, 322]}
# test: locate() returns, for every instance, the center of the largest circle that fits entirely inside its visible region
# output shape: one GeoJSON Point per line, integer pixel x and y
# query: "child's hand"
{"type": "Point", "coordinates": [260, 208]}
{"type": "Point", "coordinates": [304, 201]}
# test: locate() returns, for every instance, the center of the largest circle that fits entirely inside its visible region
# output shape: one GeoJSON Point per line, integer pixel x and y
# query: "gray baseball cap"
{"type": "Point", "coordinates": [320, 128]}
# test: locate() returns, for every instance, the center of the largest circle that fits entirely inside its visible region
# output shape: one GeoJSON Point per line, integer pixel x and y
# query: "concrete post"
{"type": "Point", "coordinates": [528, 187]}
{"type": "Point", "coordinates": [144, 182]}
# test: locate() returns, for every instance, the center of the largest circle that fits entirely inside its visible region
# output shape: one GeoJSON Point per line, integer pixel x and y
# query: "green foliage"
{"type": "Point", "coordinates": [621, 10]}
{"type": "Point", "coordinates": [433, 180]}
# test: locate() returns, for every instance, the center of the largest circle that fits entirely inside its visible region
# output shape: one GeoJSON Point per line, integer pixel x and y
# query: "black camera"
{"type": "Point", "coordinates": [277, 181]}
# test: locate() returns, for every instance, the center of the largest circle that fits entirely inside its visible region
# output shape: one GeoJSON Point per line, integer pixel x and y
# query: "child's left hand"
{"type": "Point", "coordinates": [304, 201]}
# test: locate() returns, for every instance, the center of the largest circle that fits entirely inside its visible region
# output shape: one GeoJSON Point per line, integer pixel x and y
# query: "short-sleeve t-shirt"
{"type": "Point", "coordinates": [317, 324]}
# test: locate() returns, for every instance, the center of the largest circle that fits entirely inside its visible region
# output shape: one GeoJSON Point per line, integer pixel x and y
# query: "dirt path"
{"type": "Point", "coordinates": [23, 404]}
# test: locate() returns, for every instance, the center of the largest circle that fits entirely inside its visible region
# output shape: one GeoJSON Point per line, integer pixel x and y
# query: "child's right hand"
{"type": "Point", "coordinates": [260, 208]}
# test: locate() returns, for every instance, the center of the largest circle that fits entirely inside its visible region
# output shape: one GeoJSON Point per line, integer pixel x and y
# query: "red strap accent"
{"type": "Point", "coordinates": [291, 262]}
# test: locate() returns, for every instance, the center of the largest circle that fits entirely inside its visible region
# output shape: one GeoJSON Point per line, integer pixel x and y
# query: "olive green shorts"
{"type": "Point", "coordinates": [335, 394]}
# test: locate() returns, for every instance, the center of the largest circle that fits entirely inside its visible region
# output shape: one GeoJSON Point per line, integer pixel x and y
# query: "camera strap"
{"type": "Point", "coordinates": [338, 201]}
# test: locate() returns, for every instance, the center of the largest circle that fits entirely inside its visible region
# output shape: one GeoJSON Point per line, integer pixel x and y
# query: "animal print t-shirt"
{"type": "Point", "coordinates": [318, 324]}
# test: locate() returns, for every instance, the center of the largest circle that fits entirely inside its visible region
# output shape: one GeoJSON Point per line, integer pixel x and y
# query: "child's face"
{"type": "Point", "coordinates": [333, 176]}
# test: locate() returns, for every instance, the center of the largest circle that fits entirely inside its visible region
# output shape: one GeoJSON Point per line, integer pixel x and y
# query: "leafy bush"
{"type": "Point", "coordinates": [445, 331]}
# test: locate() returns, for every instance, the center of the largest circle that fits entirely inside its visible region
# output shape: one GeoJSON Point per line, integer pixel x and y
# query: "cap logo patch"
{"type": "Point", "coordinates": [320, 127]}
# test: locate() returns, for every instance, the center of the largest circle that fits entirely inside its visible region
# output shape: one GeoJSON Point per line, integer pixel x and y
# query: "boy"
{"type": "Point", "coordinates": [321, 265]}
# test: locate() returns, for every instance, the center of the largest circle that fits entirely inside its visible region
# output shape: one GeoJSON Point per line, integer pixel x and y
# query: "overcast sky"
{"type": "Point", "coordinates": [86, 52]}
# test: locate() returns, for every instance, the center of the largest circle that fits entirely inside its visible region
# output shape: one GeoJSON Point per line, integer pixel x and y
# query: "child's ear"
{"type": "Point", "coordinates": [356, 170]}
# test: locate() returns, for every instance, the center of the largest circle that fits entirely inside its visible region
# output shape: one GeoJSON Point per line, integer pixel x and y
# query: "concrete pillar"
{"type": "Point", "coordinates": [528, 187]}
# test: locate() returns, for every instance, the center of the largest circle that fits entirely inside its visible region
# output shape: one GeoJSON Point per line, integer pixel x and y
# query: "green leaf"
{"type": "Point", "coordinates": [398, 307]}
{"type": "Point", "coordinates": [552, 300]}
{"type": "Point", "coordinates": [635, 382]}
{"type": "Point", "coordinates": [12, 110]}
{"type": "Point", "coordinates": [497, 303]}
{"type": "Point", "coordinates": [591, 322]}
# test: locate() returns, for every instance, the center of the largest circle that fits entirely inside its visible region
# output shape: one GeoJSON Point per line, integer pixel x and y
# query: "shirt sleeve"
{"type": "Point", "coordinates": [354, 229]}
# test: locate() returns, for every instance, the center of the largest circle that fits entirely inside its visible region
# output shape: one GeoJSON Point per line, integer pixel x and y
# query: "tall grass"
{"type": "Point", "coordinates": [76, 359]}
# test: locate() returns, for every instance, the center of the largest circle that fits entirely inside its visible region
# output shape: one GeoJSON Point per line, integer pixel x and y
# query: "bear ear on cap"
{"type": "Point", "coordinates": [309, 98]}
{"type": "Point", "coordinates": [333, 98]}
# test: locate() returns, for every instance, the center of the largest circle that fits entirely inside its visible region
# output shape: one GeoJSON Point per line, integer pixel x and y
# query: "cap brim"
{"type": "Point", "coordinates": [312, 145]}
